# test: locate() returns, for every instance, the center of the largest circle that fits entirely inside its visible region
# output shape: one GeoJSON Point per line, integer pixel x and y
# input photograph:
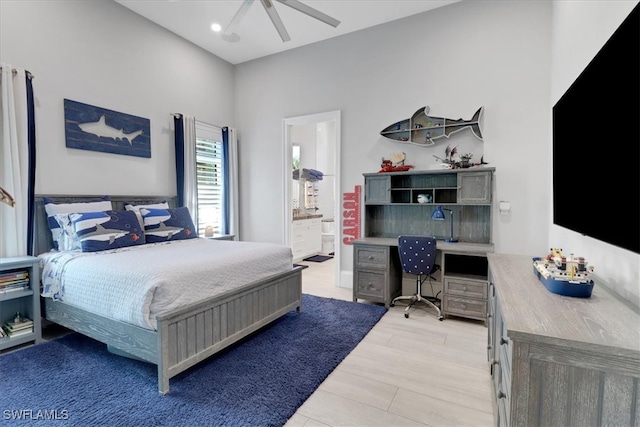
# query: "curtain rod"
{"type": "Point", "coordinates": [27, 72]}
{"type": "Point", "coordinates": [178, 115]}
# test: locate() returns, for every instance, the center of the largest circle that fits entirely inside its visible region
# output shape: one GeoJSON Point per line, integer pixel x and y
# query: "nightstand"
{"type": "Point", "coordinates": [23, 300]}
{"type": "Point", "coordinates": [221, 237]}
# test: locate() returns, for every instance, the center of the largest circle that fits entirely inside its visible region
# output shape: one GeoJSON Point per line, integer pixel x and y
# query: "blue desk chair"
{"type": "Point", "coordinates": [418, 257]}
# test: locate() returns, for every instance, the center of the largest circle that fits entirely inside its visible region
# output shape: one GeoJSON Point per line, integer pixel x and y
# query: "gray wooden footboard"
{"type": "Point", "coordinates": [190, 334]}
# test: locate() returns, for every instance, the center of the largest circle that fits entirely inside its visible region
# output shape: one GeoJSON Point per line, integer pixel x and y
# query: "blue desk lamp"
{"type": "Point", "coordinates": [438, 215]}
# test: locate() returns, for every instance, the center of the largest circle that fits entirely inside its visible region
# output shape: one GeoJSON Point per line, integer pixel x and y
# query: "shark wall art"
{"type": "Point", "coordinates": [97, 129]}
{"type": "Point", "coordinates": [425, 130]}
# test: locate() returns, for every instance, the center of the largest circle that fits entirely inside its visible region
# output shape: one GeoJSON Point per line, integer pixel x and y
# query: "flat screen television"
{"type": "Point", "coordinates": [596, 144]}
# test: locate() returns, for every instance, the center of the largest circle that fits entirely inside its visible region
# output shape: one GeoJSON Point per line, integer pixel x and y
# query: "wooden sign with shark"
{"type": "Point", "coordinates": [97, 129]}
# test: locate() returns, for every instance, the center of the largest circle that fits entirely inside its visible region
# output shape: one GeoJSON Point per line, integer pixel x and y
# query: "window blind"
{"type": "Point", "coordinates": [210, 177]}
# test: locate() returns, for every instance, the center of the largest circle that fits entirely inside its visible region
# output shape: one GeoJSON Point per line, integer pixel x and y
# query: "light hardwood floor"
{"type": "Point", "coordinates": [405, 372]}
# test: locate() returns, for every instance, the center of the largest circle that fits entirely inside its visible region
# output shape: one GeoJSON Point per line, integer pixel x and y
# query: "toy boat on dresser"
{"type": "Point", "coordinates": [569, 276]}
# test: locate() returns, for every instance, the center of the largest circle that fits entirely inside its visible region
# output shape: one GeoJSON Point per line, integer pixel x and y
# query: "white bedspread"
{"type": "Point", "coordinates": [134, 284]}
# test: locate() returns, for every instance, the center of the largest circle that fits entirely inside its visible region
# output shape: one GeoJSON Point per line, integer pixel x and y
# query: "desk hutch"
{"type": "Point", "coordinates": [392, 208]}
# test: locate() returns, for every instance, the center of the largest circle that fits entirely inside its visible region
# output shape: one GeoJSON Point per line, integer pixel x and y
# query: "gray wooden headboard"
{"type": "Point", "coordinates": [42, 240]}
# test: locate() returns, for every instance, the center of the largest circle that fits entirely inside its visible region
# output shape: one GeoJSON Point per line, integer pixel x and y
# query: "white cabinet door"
{"type": "Point", "coordinates": [306, 239]}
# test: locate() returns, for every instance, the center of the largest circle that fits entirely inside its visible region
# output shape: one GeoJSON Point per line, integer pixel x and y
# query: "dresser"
{"type": "Point", "coordinates": [557, 360]}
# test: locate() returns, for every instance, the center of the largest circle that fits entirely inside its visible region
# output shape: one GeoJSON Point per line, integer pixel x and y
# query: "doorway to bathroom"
{"type": "Point", "coordinates": [311, 146]}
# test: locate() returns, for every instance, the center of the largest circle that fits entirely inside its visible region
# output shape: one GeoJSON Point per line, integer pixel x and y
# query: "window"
{"type": "Point", "coordinates": [209, 177]}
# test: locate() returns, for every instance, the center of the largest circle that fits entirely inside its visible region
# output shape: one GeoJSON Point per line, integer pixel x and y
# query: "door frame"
{"type": "Point", "coordinates": [287, 123]}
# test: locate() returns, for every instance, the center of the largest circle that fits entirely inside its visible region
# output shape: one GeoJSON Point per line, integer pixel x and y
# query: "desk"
{"type": "Point", "coordinates": [377, 274]}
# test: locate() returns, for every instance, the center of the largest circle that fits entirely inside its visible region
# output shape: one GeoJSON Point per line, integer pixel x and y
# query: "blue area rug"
{"type": "Point", "coordinates": [260, 381]}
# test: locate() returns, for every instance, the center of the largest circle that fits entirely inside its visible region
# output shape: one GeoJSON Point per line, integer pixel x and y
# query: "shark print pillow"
{"type": "Point", "coordinates": [56, 208]}
{"type": "Point", "coordinates": [99, 231]}
{"type": "Point", "coordinates": [161, 225]}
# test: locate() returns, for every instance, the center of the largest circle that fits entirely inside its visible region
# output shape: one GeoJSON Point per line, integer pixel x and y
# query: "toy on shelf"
{"type": "Point", "coordinates": [396, 164]}
{"type": "Point", "coordinates": [464, 162]}
{"type": "Point", "coordinates": [569, 276]}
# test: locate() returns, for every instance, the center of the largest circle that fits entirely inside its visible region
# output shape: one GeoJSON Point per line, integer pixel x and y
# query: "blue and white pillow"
{"type": "Point", "coordinates": [52, 208]}
{"type": "Point", "coordinates": [136, 208]}
{"type": "Point", "coordinates": [160, 205]}
{"type": "Point", "coordinates": [67, 240]}
{"type": "Point", "coordinates": [99, 231]}
{"type": "Point", "coordinates": [161, 225]}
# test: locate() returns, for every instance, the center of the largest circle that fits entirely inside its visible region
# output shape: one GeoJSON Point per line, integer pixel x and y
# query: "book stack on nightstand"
{"type": "Point", "coordinates": [14, 280]}
{"type": "Point", "coordinates": [18, 327]}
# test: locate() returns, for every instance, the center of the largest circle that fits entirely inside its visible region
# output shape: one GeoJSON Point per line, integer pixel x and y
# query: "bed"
{"type": "Point", "coordinates": [184, 332]}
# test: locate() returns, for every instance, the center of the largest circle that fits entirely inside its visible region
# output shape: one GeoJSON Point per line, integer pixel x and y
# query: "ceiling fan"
{"type": "Point", "coordinates": [230, 36]}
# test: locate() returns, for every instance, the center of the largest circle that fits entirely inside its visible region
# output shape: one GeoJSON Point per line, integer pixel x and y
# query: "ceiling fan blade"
{"type": "Point", "coordinates": [244, 7]}
{"type": "Point", "coordinates": [275, 18]}
{"type": "Point", "coordinates": [314, 13]}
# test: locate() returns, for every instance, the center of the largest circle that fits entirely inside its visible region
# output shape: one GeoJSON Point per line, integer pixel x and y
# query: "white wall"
{"type": "Point", "coordinates": [100, 53]}
{"type": "Point", "coordinates": [454, 59]}
{"type": "Point", "coordinates": [580, 29]}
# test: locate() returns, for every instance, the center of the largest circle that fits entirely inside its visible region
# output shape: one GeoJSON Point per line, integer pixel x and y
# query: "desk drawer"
{"type": "Point", "coordinates": [371, 284]}
{"type": "Point", "coordinates": [465, 288]}
{"type": "Point", "coordinates": [372, 256]}
{"type": "Point", "coordinates": [465, 307]}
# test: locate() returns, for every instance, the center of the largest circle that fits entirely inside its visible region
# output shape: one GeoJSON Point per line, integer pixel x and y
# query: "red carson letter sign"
{"type": "Point", "coordinates": [351, 215]}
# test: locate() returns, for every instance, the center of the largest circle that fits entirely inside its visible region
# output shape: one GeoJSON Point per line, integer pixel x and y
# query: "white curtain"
{"type": "Point", "coordinates": [234, 222]}
{"type": "Point", "coordinates": [14, 176]}
{"type": "Point", "coordinates": [190, 185]}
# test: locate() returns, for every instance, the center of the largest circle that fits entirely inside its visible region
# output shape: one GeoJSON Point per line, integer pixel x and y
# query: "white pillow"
{"type": "Point", "coordinates": [52, 208]}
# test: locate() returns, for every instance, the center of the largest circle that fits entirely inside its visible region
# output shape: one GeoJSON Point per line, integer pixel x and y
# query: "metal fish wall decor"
{"type": "Point", "coordinates": [425, 130]}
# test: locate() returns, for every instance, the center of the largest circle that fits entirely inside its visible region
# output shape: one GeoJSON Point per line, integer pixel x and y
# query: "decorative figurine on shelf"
{"type": "Point", "coordinates": [396, 164]}
{"type": "Point", "coordinates": [463, 163]}
{"type": "Point", "coordinates": [425, 198]}
{"type": "Point", "coordinates": [17, 318]}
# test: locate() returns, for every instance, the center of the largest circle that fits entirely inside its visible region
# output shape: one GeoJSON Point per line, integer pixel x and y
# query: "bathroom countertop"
{"type": "Point", "coordinates": [306, 216]}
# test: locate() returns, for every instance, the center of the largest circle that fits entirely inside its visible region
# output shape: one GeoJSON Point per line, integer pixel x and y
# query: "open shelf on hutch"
{"type": "Point", "coordinates": [392, 207]}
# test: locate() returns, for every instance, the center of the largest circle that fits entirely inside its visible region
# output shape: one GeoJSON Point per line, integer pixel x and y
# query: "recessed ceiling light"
{"type": "Point", "coordinates": [216, 27]}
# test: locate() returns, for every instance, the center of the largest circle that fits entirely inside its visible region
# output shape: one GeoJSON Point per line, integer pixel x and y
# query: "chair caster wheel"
{"type": "Point", "coordinates": [406, 315]}
{"type": "Point", "coordinates": [441, 318]}
{"type": "Point", "coordinates": [392, 305]}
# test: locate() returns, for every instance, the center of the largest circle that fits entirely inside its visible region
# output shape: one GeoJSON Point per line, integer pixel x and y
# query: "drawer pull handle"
{"type": "Point", "coordinates": [503, 341]}
{"type": "Point", "coordinates": [370, 257]}
{"type": "Point", "coordinates": [464, 288]}
{"type": "Point", "coordinates": [501, 395]}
